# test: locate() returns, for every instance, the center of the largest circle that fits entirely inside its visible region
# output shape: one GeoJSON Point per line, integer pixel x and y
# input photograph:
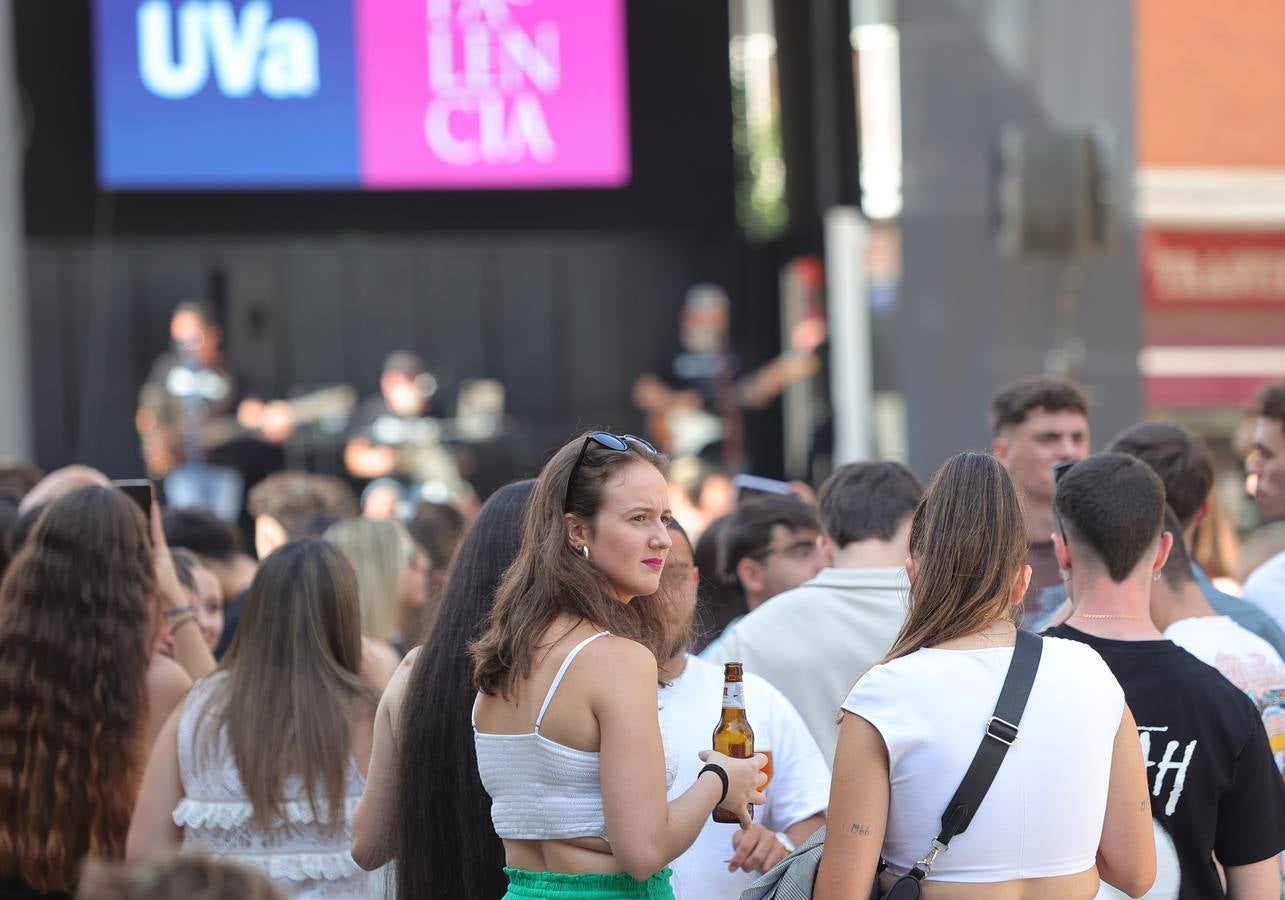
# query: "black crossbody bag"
{"type": "Point", "coordinates": [1001, 732]}
{"type": "Point", "coordinates": [792, 877]}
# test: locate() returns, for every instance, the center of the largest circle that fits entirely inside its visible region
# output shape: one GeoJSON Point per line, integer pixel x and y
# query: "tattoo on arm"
{"type": "Point", "coordinates": [1143, 806]}
{"type": "Point", "coordinates": [863, 830]}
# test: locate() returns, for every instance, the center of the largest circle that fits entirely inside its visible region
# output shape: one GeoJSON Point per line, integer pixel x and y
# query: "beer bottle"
{"type": "Point", "coordinates": [733, 737]}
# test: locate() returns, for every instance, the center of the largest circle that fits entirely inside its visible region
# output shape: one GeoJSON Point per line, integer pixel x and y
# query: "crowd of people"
{"type": "Point", "coordinates": [517, 701]}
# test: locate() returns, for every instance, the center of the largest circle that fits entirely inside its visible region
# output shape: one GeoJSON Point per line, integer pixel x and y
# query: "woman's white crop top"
{"type": "Point", "coordinates": [540, 789]}
{"type": "Point", "coordinates": [1043, 814]}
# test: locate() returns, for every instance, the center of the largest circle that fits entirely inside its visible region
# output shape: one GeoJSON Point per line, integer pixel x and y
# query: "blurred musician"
{"type": "Point", "coordinates": [395, 441]}
{"type": "Point", "coordinates": [189, 389]}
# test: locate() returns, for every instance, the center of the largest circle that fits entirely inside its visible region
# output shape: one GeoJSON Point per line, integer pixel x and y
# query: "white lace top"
{"type": "Point", "coordinates": [303, 858]}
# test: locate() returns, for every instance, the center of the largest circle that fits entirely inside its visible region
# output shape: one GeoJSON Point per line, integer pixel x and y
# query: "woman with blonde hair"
{"type": "Point", "coordinates": [565, 723]}
{"type": "Point", "coordinates": [1068, 806]}
{"type": "Point", "coordinates": [391, 579]}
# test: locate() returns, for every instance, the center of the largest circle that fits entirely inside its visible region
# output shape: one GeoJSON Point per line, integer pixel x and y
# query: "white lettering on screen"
{"type": "Point", "coordinates": [487, 103]}
{"type": "Point", "coordinates": [280, 57]}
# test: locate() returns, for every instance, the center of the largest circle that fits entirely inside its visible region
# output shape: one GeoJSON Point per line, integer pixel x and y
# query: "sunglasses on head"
{"type": "Point", "coordinates": [617, 442]}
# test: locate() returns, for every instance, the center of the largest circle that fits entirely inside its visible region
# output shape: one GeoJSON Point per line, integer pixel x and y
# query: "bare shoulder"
{"type": "Point", "coordinates": [394, 694]}
{"type": "Point", "coordinates": [378, 663]}
{"type": "Point", "coordinates": [167, 682]}
{"type": "Point", "coordinates": [619, 654]}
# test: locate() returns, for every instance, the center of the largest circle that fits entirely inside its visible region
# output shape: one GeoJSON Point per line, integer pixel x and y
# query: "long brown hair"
{"type": "Point", "coordinates": [968, 541]}
{"type": "Point", "coordinates": [292, 686]}
{"type": "Point", "coordinates": [77, 614]}
{"type": "Point", "coordinates": [549, 579]}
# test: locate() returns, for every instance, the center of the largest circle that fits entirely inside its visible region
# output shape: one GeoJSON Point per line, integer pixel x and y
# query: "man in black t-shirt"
{"type": "Point", "coordinates": [1216, 795]}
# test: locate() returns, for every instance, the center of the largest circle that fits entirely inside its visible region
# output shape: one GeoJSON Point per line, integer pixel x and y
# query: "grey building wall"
{"type": "Point", "coordinates": [967, 318]}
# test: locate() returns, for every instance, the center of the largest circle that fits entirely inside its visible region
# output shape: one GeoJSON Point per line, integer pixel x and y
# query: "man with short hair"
{"type": "Point", "coordinates": [812, 643]}
{"type": "Point", "coordinates": [1036, 423]}
{"type": "Point", "coordinates": [1216, 796]}
{"type": "Point", "coordinates": [1266, 585]}
{"type": "Point", "coordinates": [218, 546]}
{"type": "Point", "coordinates": [1186, 467]}
{"type": "Point", "coordinates": [769, 545]}
{"type": "Point", "coordinates": [286, 504]}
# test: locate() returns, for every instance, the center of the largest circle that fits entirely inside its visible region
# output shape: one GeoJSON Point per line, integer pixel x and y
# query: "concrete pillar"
{"type": "Point", "coordinates": [15, 407]}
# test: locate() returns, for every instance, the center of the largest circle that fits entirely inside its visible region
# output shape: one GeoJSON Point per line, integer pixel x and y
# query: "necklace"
{"type": "Point", "coordinates": [1104, 616]}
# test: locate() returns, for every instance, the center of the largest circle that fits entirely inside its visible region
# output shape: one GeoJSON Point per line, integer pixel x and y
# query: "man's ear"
{"type": "Point", "coordinates": [999, 447]}
{"type": "Point", "coordinates": [1202, 513]}
{"type": "Point", "coordinates": [577, 532]}
{"type": "Point", "coordinates": [269, 534]}
{"type": "Point", "coordinates": [749, 572]}
{"type": "Point", "coordinates": [1162, 555]}
{"type": "Point", "coordinates": [825, 549]}
{"type": "Point", "coordinates": [1061, 551]}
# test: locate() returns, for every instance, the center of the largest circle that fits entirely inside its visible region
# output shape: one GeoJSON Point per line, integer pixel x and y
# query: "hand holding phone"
{"type": "Point", "coordinates": [139, 490]}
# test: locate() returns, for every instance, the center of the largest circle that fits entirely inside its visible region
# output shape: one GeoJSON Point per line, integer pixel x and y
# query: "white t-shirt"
{"type": "Point", "coordinates": [1245, 659]}
{"type": "Point", "coordinates": [813, 643]}
{"type": "Point", "coordinates": [1043, 814]}
{"type": "Point", "coordinates": [800, 788]}
{"type": "Point", "coordinates": [1265, 587]}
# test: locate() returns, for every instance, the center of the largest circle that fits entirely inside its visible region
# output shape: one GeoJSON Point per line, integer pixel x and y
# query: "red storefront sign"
{"type": "Point", "coordinates": [1203, 269]}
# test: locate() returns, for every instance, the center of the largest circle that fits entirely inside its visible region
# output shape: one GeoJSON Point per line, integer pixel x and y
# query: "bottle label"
{"type": "Point", "coordinates": [733, 695]}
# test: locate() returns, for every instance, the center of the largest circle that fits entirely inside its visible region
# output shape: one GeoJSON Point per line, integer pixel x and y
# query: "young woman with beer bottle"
{"type": "Point", "coordinates": [566, 728]}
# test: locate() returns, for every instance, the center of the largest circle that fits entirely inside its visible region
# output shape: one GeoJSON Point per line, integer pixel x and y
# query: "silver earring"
{"type": "Point", "coordinates": [584, 548]}
{"type": "Point", "coordinates": [1064, 574]}
{"type": "Point", "coordinates": [1155, 577]}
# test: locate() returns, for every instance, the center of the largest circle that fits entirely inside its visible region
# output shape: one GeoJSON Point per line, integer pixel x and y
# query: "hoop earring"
{"type": "Point", "coordinates": [584, 548]}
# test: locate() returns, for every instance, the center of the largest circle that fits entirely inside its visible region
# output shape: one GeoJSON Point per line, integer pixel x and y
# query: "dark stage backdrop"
{"type": "Point", "coordinates": [564, 296]}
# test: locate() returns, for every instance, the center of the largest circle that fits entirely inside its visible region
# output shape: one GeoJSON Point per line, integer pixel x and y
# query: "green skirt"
{"type": "Point", "coordinates": [524, 885]}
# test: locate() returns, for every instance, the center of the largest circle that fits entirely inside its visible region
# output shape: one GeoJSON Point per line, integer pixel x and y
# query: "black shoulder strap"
{"type": "Point", "coordinates": [1001, 732]}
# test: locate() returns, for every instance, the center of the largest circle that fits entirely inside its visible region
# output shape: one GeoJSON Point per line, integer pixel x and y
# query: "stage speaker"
{"type": "Point", "coordinates": [1054, 191]}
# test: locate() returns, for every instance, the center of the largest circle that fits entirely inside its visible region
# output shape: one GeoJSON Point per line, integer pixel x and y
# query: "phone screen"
{"type": "Point", "coordinates": [750, 486]}
{"type": "Point", "coordinates": [139, 490]}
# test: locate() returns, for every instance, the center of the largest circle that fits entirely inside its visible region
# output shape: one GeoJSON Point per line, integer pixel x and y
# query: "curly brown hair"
{"type": "Point", "coordinates": [77, 612]}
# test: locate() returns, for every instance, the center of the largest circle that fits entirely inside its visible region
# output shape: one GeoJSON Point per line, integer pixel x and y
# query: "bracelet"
{"type": "Point", "coordinates": [175, 626]}
{"type": "Point", "coordinates": [178, 611]}
{"type": "Point", "coordinates": [722, 775]}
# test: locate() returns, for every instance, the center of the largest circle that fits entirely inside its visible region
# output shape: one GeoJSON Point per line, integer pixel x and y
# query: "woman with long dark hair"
{"type": "Point", "coordinates": [566, 728]}
{"type": "Point", "coordinates": [264, 763]}
{"type": "Point", "coordinates": [1069, 804]}
{"type": "Point", "coordinates": [78, 616]}
{"type": "Point", "coordinates": [424, 805]}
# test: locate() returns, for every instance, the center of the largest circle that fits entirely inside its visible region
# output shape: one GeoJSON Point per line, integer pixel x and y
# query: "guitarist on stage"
{"type": "Point", "coordinates": [694, 403]}
{"type": "Point", "coordinates": [190, 386]}
{"type": "Point", "coordinates": [396, 443]}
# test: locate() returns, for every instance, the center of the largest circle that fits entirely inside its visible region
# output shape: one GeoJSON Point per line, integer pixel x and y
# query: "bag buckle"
{"type": "Point", "coordinates": [925, 865]}
{"type": "Point", "coordinates": [1001, 730]}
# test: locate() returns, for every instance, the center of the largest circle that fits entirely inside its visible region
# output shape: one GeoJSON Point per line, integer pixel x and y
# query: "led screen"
{"type": "Point", "coordinates": [361, 94]}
